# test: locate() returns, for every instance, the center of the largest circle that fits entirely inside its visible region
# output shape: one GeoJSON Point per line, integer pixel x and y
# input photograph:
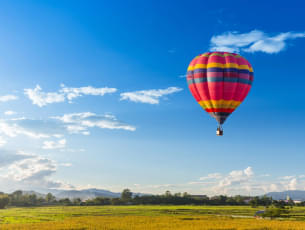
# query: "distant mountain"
{"type": "Point", "coordinates": [32, 193]}
{"type": "Point", "coordinates": [293, 194]}
{"type": "Point", "coordinates": [84, 194]}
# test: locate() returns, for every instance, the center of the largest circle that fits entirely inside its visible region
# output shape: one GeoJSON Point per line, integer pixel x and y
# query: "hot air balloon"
{"type": "Point", "coordinates": [219, 81]}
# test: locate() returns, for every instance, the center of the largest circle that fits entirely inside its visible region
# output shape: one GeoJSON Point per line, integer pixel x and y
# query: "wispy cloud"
{"type": "Point", "coordinates": [66, 164]}
{"type": "Point", "coordinates": [254, 41]}
{"type": "Point", "coordinates": [151, 96]}
{"type": "Point", "coordinates": [72, 93]}
{"type": "Point", "coordinates": [9, 113]}
{"type": "Point", "coordinates": [13, 130]}
{"type": "Point", "coordinates": [2, 141]}
{"type": "Point", "coordinates": [9, 97]}
{"type": "Point", "coordinates": [54, 144]}
{"type": "Point", "coordinates": [211, 176]}
{"type": "Point", "coordinates": [81, 122]}
{"type": "Point", "coordinates": [9, 157]}
{"type": "Point", "coordinates": [40, 98]}
{"type": "Point", "coordinates": [287, 177]}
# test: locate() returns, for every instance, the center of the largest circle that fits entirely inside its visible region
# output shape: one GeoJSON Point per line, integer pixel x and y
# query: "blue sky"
{"type": "Point", "coordinates": [93, 94]}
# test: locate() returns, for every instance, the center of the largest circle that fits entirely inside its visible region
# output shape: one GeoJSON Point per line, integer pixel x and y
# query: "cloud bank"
{"type": "Point", "coordinates": [28, 171]}
{"type": "Point", "coordinates": [254, 41]}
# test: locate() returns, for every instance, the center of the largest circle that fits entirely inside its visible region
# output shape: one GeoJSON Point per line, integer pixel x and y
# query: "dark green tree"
{"type": "Point", "coordinates": [4, 200]}
{"type": "Point", "coordinates": [254, 202]}
{"type": "Point", "coordinates": [126, 195]}
{"type": "Point", "coordinates": [167, 194]}
{"type": "Point", "coordinates": [273, 212]}
{"type": "Point", "coordinates": [50, 198]}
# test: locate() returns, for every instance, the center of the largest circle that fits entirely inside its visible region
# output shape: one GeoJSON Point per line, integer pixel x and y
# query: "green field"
{"type": "Point", "coordinates": [145, 217]}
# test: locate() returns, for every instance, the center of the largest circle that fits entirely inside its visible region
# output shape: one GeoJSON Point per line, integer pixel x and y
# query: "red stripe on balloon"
{"type": "Point", "coordinates": [219, 90]}
{"type": "Point", "coordinates": [219, 110]}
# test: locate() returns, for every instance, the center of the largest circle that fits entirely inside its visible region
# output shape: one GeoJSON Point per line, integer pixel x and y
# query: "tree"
{"type": "Point", "coordinates": [65, 201]}
{"type": "Point", "coordinates": [4, 200]}
{"type": "Point", "coordinates": [77, 201]}
{"type": "Point", "coordinates": [185, 195]}
{"type": "Point", "coordinates": [126, 195]}
{"type": "Point", "coordinates": [116, 201]}
{"type": "Point", "coordinates": [32, 199]}
{"type": "Point", "coordinates": [254, 202]}
{"type": "Point", "coordinates": [50, 198]}
{"type": "Point", "coordinates": [167, 194]}
{"type": "Point", "coordinates": [275, 212]}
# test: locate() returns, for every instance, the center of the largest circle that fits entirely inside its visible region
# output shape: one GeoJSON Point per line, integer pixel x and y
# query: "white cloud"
{"type": "Point", "coordinates": [31, 168]}
{"type": "Point", "coordinates": [13, 130]}
{"type": "Point", "coordinates": [40, 98]}
{"type": "Point", "coordinates": [254, 41]}
{"type": "Point", "coordinates": [293, 184]}
{"type": "Point", "coordinates": [151, 96]}
{"type": "Point", "coordinates": [246, 182]}
{"type": "Point", "coordinates": [9, 97]}
{"type": "Point", "coordinates": [233, 183]}
{"type": "Point", "coordinates": [28, 171]}
{"type": "Point", "coordinates": [54, 144]}
{"type": "Point", "coordinates": [249, 172]}
{"type": "Point", "coordinates": [9, 157]}
{"type": "Point", "coordinates": [287, 177]}
{"type": "Point", "coordinates": [72, 93]}
{"type": "Point", "coordinates": [2, 141]}
{"type": "Point", "coordinates": [18, 119]}
{"type": "Point", "coordinates": [265, 175]}
{"type": "Point", "coordinates": [81, 122]}
{"type": "Point", "coordinates": [9, 113]}
{"type": "Point", "coordinates": [211, 176]}
{"type": "Point", "coordinates": [66, 164]}
{"type": "Point", "coordinates": [273, 188]}
{"type": "Point", "coordinates": [236, 177]}
{"type": "Point", "coordinates": [72, 150]}
{"type": "Point", "coordinates": [58, 135]}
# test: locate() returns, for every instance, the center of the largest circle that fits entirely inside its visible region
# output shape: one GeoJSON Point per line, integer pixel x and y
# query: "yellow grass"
{"type": "Point", "coordinates": [142, 218]}
{"type": "Point", "coordinates": [160, 222]}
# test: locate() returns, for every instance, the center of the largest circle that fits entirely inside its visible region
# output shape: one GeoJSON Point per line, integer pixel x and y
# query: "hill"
{"type": "Point", "coordinates": [84, 194]}
{"type": "Point", "coordinates": [293, 194]}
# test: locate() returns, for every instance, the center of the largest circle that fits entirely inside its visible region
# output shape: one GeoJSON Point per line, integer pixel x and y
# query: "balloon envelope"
{"type": "Point", "coordinates": [219, 81]}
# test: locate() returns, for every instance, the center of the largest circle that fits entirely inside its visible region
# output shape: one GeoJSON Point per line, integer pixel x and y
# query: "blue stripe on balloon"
{"type": "Point", "coordinates": [219, 79]}
{"type": "Point", "coordinates": [223, 70]}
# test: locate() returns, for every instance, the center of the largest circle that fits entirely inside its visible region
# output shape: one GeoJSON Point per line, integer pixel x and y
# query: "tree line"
{"type": "Point", "coordinates": [19, 199]}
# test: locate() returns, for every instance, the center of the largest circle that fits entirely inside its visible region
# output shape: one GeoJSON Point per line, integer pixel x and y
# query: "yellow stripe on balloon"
{"type": "Point", "coordinates": [219, 65]}
{"type": "Point", "coordinates": [220, 55]}
{"type": "Point", "coordinates": [219, 104]}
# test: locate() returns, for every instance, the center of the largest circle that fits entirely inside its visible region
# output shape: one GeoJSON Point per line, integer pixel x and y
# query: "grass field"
{"type": "Point", "coordinates": [145, 217]}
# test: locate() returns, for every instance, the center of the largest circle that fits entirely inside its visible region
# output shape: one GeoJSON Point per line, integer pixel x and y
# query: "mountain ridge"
{"type": "Point", "coordinates": [293, 194]}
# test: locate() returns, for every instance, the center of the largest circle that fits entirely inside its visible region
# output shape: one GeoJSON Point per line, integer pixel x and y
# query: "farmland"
{"type": "Point", "coordinates": [145, 217]}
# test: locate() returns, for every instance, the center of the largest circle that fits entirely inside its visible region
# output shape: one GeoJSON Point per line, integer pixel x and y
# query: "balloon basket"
{"type": "Point", "coordinates": [219, 131]}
